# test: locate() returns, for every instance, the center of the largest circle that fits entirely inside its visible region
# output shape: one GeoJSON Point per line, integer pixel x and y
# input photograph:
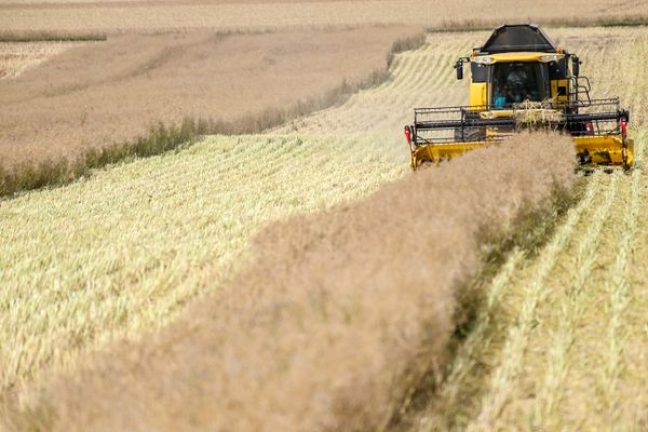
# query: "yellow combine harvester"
{"type": "Point", "coordinates": [521, 80]}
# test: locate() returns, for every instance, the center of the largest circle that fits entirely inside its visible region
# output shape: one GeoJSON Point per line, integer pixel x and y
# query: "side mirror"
{"type": "Point", "coordinates": [459, 67]}
{"type": "Point", "coordinates": [576, 65]}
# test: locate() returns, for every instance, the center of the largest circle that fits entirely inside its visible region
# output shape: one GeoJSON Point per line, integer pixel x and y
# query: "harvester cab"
{"type": "Point", "coordinates": [521, 80]}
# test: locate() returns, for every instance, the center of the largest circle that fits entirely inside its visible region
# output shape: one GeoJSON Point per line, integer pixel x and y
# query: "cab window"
{"type": "Point", "coordinates": [518, 82]}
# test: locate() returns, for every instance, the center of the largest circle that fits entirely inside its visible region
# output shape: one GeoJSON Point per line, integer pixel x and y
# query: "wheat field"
{"type": "Point", "coordinates": [120, 253]}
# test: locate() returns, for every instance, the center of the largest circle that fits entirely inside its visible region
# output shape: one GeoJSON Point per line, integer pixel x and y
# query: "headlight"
{"type": "Point", "coordinates": [550, 58]}
{"type": "Point", "coordinates": [483, 60]}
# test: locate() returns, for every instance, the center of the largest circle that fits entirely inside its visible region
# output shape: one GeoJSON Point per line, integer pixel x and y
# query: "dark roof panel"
{"type": "Point", "coordinates": [519, 37]}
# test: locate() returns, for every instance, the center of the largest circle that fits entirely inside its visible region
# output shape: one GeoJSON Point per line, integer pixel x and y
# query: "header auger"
{"type": "Point", "coordinates": [521, 80]}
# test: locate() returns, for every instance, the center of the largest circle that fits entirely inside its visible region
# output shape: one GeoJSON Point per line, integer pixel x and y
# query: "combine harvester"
{"type": "Point", "coordinates": [521, 80]}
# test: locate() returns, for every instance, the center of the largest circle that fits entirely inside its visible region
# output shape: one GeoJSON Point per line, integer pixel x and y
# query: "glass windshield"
{"type": "Point", "coordinates": [518, 82]}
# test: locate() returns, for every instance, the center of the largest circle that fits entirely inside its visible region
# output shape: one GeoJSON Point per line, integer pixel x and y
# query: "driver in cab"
{"type": "Point", "coordinates": [513, 90]}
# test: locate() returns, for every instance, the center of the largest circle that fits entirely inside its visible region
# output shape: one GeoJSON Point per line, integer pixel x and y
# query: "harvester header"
{"type": "Point", "coordinates": [521, 80]}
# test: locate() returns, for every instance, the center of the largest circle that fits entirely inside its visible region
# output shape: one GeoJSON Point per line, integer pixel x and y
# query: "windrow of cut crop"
{"type": "Point", "coordinates": [33, 173]}
{"type": "Point", "coordinates": [337, 316]}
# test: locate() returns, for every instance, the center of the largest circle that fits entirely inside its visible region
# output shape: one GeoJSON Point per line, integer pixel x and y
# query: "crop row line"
{"type": "Point", "coordinates": [552, 392]}
{"type": "Point", "coordinates": [620, 293]}
{"type": "Point", "coordinates": [501, 382]}
{"type": "Point", "coordinates": [469, 356]}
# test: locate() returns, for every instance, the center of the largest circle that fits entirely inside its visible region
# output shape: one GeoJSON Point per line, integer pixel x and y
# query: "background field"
{"type": "Point", "coordinates": [106, 93]}
{"type": "Point", "coordinates": [71, 16]}
{"type": "Point", "coordinates": [533, 349]}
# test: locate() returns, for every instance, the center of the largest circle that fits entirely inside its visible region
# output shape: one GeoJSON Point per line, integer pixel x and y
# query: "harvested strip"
{"type": "Point", "coordinates": [583, 358]}
{"type": "Point", "coordinates": [512, 353]}
{"type": "Point", "coordinates": [550, 396]}
{"type": "Point", "coordinates": [461, 382]}
{"type": "Point", "coordinates": [620, 289]}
